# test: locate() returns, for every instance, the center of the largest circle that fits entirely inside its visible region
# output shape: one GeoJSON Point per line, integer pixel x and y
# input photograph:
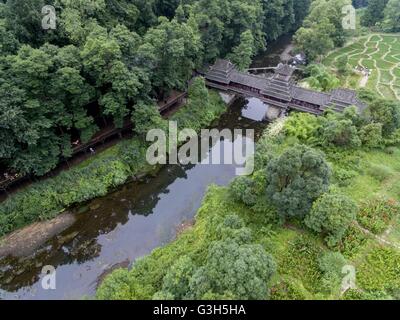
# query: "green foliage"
{"type": "Point", "coordinates": [322, 30]}
{"type": "Point", "coordinates": [352, 242]}
{"type": "Point", "coordinates": [176, 282]}
{"type": "Point", "coordinates": [197, 114]}
{"type": "Point", "coordinates": [338, 130]}
{"type": "Point", "coordinates": [331, 265]}
{"type": "Point", "coordinates": [391, 20]}
{"type": "Point", "coordinates": [49, 198]}
{"type": "Point", "coordinates": [371, 135]}
{"type": "Point", "coordinates": [379, 172]}
{"type": "Point", "coordinates": [147, 117]}
{"type": "Point", "coordinates": [320, 78]}
{"type": "Point", "coordinates": [332, 215]}
{"type": "Point", "coordinates": [243, 53]}
{"type": "Point", "coordinates": [302, 126]}
{"type": "Point", "coordinates": [227, 264]}
{"type": "Point", "coordinates": [342, 65]}
{"type": "Point", "coordinates": [296, 179]}
{"type": "Point", "coordinates": [241, 271]}
{"type": "Point", "coordinates": [374, 12]}
{"type": "Point", "coordinates": [243, 189]}
{"type": "Point", "coordinates": [288, 288]}
{"type": "Point", "coordinates": [355, 294]}
{"type": "Point", "coordinates": [377, 214]}
{"type": "Point", "coordinates": [300, 260]}
{"type": "Point", "coordinates": [380, 270]}
{"type": "Point", "coordinates": [385, 112]}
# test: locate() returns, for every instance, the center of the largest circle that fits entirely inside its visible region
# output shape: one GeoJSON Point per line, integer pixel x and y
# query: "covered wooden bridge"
{"type": "Point", "coordinates": [279, 90]}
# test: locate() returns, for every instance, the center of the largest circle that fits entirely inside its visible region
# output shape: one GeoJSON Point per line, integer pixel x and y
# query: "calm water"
{"type": "Point", "coordinates": [133, 221]}
{"type": "Point", "coordinates": [126, 225]}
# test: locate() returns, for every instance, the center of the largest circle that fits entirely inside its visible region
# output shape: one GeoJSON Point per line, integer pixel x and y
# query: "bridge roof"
{"type": "Point", "coordinates": [249, 80]}
{"type": "Point", "coordinates": [284, 70]}
{"type": "Point", "coordinates": [310, 96]}
{"type": "Point", "coordinates": [281, 86]}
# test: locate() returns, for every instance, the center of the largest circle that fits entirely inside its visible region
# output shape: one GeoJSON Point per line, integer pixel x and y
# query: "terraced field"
{"type": "Point", "coordinates": [379, 53]}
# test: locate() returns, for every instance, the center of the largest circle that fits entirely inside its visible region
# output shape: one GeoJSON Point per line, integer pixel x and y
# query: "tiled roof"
{"type": "Point", "coordinates": [310, 96]}
{"type": "Point", "coordinates": [284, 70]}
{"type": "Point", "coordinates": [281, 86]}
{"type": "Point", "coordinates": [249, 80]}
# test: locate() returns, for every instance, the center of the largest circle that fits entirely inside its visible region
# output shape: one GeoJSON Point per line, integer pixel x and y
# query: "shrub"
{"type": "Point", "coordinates": [296, 179]}
{"type": "Point", "coordinates": [243, 189]}
{"type": "Point", "coordinates": [376, 214]}
{"type": "Point", "coordinates": [371, 135]}
{"type": "Point", "coordinates": [331, 265]}
{"type": "Point", "coordinates": [352, 242]}
{"type": "Point", "coordinates": [379, 172]}
{"type": "Point", "coordinates": [242, 271]}
{"type": "Point", "coordinates": [380, 270]}
{"type": "Point", "coordinates": [390, 150]}
{"type": "Point", "coordinates": [332, 214]}
{"type": "Point", "coordinates": [288, 288]}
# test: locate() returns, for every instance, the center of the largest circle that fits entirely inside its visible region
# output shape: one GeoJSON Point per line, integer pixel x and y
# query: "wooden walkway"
{"type": "Point", "coordinates": [100, 137]}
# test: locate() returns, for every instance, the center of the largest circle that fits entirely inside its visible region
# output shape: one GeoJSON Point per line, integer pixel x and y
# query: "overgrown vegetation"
{"type": "Point", "coordinates": [109, 59]}
{"type": "Point", "coordinates": [347, 219]}
{"type": "Point", "coordinates": [97, 176]}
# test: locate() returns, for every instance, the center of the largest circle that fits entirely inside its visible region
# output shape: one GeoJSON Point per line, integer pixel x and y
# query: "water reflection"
{"type": "Point", "coordinates": [121, 227]}
{"type": "Point", "coordinates": [255, 109]}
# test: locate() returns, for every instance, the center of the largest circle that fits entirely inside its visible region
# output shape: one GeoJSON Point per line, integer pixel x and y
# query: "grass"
{"type": "Point", "coordinates": [297, 251]}
{"type": "Point", "coordinates": [94, 177]}
{"type": "Point", "coordinates": [379, 53]}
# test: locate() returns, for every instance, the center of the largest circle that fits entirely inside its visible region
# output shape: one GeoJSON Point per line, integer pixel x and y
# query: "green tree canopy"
{"type": "Point", "coordinates": [332, 215]}
{"type": "Point", "coordinates": [296, 179]}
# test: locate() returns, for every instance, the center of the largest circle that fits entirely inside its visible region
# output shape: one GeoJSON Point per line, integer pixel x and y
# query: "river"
{"type": "Point", "coordinates": [131, 222]}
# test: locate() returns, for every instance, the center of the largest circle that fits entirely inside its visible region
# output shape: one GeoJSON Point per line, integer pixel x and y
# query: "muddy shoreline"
{"type": "Point", "coordinates": [24, 242]}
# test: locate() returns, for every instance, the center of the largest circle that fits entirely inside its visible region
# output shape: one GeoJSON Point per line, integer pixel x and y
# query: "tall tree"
{"type": "Point", "coordinates": [391, 21]}
{"type": "Point", "coordinates": [332, 215]}
{"type": "Point", "coordinates": [374, 12]}
{"type": "Point", "coordinates": [296, 179]}
{"type": "Point", "coordinates": [243, 53]}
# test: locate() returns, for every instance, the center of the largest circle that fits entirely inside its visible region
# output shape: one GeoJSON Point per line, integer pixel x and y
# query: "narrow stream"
{"type": "Point", "coordinates": [130, 223]}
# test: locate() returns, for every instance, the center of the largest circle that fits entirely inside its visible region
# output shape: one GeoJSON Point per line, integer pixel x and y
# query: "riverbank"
{"type": "Point", "coordinates": [370, 177]}
{"type": "Point", "coordinates": [124, 225]}
{"type": "Point", "coordinates": [96, 176]}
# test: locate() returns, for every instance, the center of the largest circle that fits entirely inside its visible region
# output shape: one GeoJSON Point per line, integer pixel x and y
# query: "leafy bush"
{"type": "Point", "coordinates": [288, 288]}
{"type": "Point", "coordinates": [331, 265]}
{"type": "Point", "coordinates": [243, 189]}
{"type": "Point", "coordinates": [225, 266]}
{"type": "Point", "coordinates": [371, 135]}
{"type": "Point", "coordinates": [302, 126]}
{"type": "Point", "coordinates": [300, 261]}
{"type": "Point", "coordinates": [379, 172]}
{"type": "Point", "coordinates": [296, 179]}
{"type": "Point", "coordinates": [332, 214]}
{"type": "Point", "coordinates": [380, 270]}
{"type": "Point", "coordinates": [376, 214]}
{"type": "Point", "coordinates": [352, 242]}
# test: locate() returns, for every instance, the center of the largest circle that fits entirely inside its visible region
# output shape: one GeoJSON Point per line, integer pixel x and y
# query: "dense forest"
{"type": "Point", "coordinates": [107, 58]}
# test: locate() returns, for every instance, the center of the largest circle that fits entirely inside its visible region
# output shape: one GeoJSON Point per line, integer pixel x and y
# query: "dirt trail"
{"type": "Point", "coordinates": [380, 239]}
